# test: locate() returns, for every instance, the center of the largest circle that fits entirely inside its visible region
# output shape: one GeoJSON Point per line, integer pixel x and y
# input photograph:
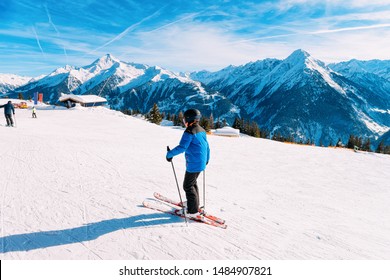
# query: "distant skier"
{"type": "Point", "coordinates": [8, 111]}
{"type": "Point", "coordinates": [197, 154]}
{"type": "Point", "coordinates": [34, 112]}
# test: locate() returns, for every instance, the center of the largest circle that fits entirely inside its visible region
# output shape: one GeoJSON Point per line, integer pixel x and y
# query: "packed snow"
{"type": "Point", "coordinates": [73, 182]}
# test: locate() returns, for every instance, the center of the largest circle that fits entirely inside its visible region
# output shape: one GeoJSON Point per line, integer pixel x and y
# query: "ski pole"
{"type": "Point", "coordinates": [178, 189]}
{"type": "Point", "coordinates": [204, 190]}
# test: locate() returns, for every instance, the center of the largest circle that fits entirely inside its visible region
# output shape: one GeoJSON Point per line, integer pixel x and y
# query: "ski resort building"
{"type": "Point", "coordinates": [227, 132]}
{"type": "Point", "coordinates": [70, 100]}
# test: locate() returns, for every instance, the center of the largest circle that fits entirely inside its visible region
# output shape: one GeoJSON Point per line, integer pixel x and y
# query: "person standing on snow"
{"type": "Point", "coordinates": [197, 154]}
{"type": "Point", "coordinates": [34, 112]}
{"type": "Point", "coordinates": [8, 111]}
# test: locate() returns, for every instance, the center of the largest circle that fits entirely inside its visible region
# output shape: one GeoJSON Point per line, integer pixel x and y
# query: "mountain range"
{"type": "Point", "coordinates": [298, 96]}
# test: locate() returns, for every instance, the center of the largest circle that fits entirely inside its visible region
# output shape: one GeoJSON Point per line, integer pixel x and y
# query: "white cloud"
{"type": "Point", "coordinates": [361, 3]}
{"type": "Point", "coordinates": [186, 48]}
{"type": "Point", "coordinates": [342, 3]}
{"type": "Point", "coordinates": [363, 45]}
{"type": "Point", "coordinates": [189, 47]}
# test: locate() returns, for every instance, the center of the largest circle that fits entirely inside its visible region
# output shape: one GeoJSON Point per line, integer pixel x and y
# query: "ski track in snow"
{"type": "Point", "coordinates": [73, 182]}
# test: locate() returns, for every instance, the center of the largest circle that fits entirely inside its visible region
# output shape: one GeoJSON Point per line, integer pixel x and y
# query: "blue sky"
{"type": "Point", "coordinates": [38, 36]}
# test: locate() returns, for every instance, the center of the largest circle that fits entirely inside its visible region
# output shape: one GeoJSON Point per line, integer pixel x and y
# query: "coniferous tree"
{"type": "Point", "coordinates": [367, 145]}
{"type": "Point", "coordinates": [179, 119]}
{"type": "Point", "coordinates": [381, 148]}
{"type": "Point", "coordinates": [218, 124]}
{"type": "Point", "coordinates": [264, 133]}
{"type": "Point", "coordinates": [290, 138]}
{"type": "Point", "coordinates": [359, 141]}
{"type": "Point", "coordinates": [278, 137]}
{"type": "Point", "coordinates": [255, 130]}
{"type": "Point", "coordinates": [211, 121]}
{"type": "Point", "coordinates": [238, 124]}
{"type": "Point", "coordinates": [20, 96]}
{"type": "Point", "coordinates": [351, 142]}
{"type": "Point", "coordinates": [246, 127]}
{"type": "Point", "coordinates": [224, 123]}
{"type": "Point", "coordinates": [205, 123]}
{"type": "Point", "coordinates": [126, 111]}
{"type": "Point", "coordinates": [174, 119]}
{"type": "Point", "coordinates": [154, 115]}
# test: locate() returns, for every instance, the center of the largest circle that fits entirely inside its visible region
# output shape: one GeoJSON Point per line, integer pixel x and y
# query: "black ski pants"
{"type": "Point", "coordinates": [192, 193]}
{"type": "Point", "coordinates": [9, 119]}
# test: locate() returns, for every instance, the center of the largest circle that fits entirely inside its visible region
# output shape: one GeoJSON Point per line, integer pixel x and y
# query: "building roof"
{"type": "Point", "coordinates": [227, 131]}
{"type": "Point", "coordinates": [82, 98]}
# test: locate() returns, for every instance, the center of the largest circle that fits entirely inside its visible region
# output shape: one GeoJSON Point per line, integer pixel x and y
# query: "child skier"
{"type": "Point", "coordinates": [197, 153]}
{"type": "Point", "coordinates": [34, 112]}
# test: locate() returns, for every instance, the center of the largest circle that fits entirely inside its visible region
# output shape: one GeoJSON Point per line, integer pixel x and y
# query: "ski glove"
{"type": "Point", "coordinates": [168, 159]}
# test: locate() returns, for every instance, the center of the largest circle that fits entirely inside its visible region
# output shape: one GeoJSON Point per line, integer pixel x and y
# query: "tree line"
{"type": "Point", "coordinates": [251, 128]}
{"type": "Point", "coordinates": [358, 143]}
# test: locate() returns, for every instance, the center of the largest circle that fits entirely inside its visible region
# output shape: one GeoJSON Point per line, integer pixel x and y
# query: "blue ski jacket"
{"type": "Point", "coordinates": [8, 108]}
{"type": "Point", "coordinates": [194, 144]}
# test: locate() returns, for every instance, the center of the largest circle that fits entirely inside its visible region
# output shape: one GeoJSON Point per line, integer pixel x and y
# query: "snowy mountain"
{"type": "Point", "coordinates": [354, 67]}
{"type": "Point", "coordinates": [132, 86]}
{"type": "Point", "coordinates": [75, 179]}
{"type": "Point", "coordinates": [299, 96]}
{"type": "Point", "coordinates": [9, 82]}
{"type": "Point", "coordinates": [302, 97]}
{"type": "Point", "coordinates": [372, 78]}
{"type": "Point", "coordinates": [385, 138]}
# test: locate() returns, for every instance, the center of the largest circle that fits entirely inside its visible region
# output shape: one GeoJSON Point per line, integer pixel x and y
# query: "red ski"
{"type": "Point", "coordinates": [162, 207]}
{"type": "Point", "coordinates": [176, 203]}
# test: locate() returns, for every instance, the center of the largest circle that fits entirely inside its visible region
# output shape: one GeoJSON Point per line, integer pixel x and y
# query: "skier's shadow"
{"type": "Point", "coordinates": [44, 239]}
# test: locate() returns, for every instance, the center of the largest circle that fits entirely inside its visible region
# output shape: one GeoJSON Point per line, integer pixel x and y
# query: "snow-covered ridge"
{"type": "Point", "coordinates": [9, 82]}
{"type": "Point", "coordinates": [303, 96]}
{"type": "Point", "coordinates": [354, 66]}
{"type": "Point", "coordinates": [297, 94]}
{"type": "Point", "coordinates": [14, 80]}
{"type": "Point", "coordinates": [126, 75]}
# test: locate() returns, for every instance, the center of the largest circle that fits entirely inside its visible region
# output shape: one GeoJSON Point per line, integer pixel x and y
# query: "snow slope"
{"type": "Point", "coordinates": [72, 184]}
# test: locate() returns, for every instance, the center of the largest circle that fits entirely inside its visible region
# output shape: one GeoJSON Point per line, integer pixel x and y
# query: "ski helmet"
{"type": "Point", "coordinates": [192, 115]}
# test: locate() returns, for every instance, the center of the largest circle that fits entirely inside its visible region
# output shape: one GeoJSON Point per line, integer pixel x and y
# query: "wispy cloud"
{"type": "Point", "coordinates": [50, 21]}
{"type": "Point", "coordinates": [374, 26]}
{"type": "Point", "coordinates": [127, 30]}
{"type": "Point", "coordinates": [55, 28]}
{"type": "Point", "coordinates": [38, 42]}
{"type": "Point", "coordinates": [192, 15]}
{"type": "Point", "coordinates": [362, 3]}
{"type": "Point", "coordinates": [323, 31]}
